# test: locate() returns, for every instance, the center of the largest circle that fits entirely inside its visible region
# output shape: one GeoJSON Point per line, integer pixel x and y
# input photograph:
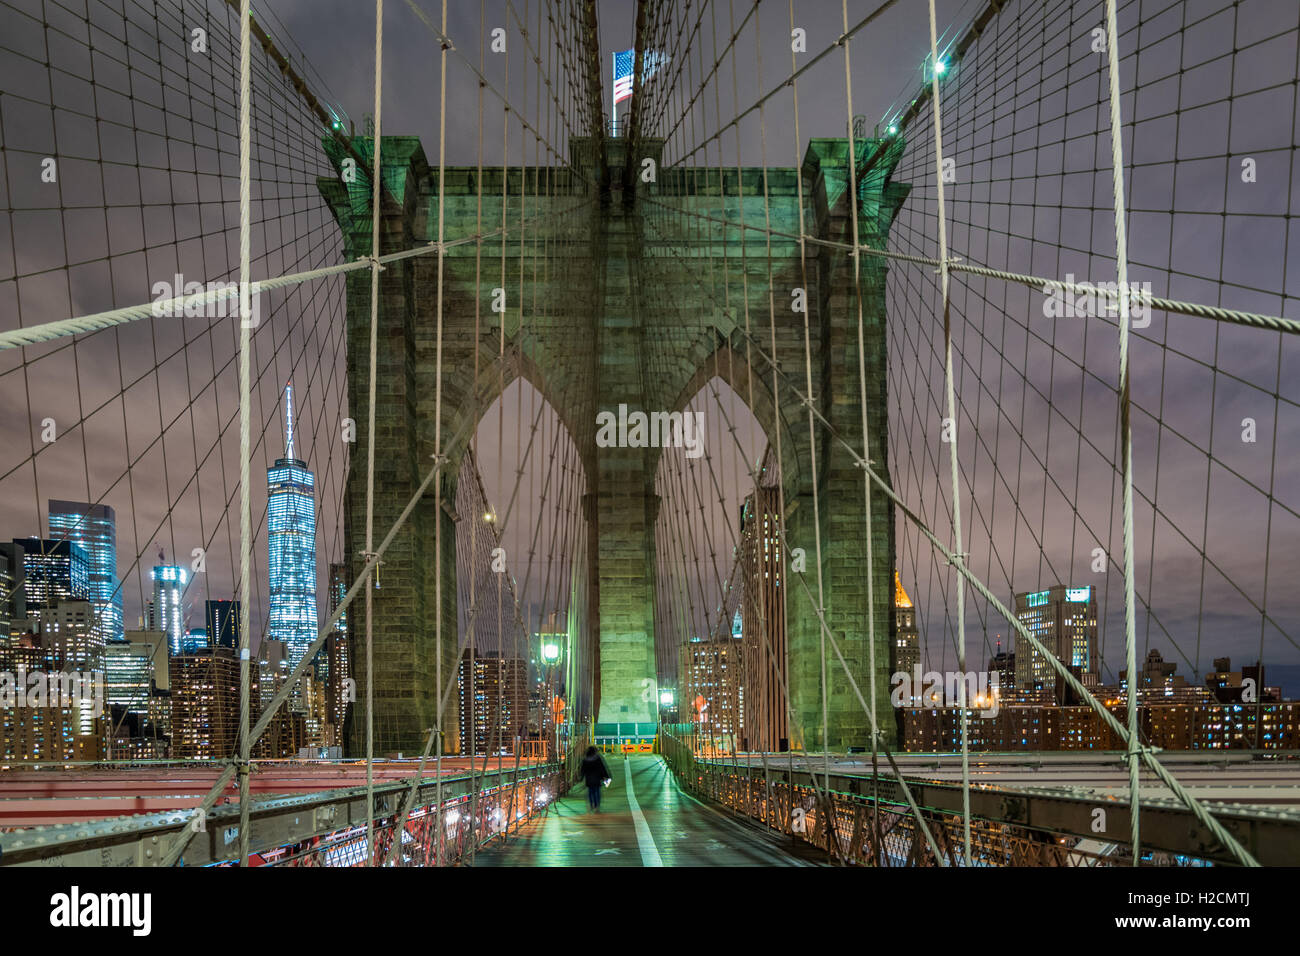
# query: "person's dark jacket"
{"type": "Point", "coordinates": [593, 770]}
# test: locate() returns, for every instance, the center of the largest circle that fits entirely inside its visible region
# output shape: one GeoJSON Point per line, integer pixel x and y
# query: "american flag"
{"type": "Point", "coordinates": [624, 61]}
{"type": "Point", "coordinates": [624, 65]}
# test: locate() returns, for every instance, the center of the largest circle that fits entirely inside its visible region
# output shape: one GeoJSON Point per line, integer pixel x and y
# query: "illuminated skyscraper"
{"type": "Point", "coordinates": [71, 636]}
{"type": "Point", "coordinates": [195, 640]}
{"type": "Point", "coordinates": [1065, 620]}
{"type": "Point", "coordinates": [94, 527]}
{"type": "Point", "coordinates": [907, 640]}
{"type": "Point", "coordinates": [48, 571]}
{"type": "Point", "coordinates": [291, 541]}
{"type": "Point", "coordinates": [133, 668]}
{"type": "Point", "coordinates": [168, 605]}
{"type": "Point", "coordinates": [711, 669]}
{"type": "Point", "coordinates": [338, 591]}
{"type": "Point", "coordinates": [273, 669]}
{"type": "Point", "coordinates": [340, 687]}
{"type": "Point", "coordinates": [222, 619]}
{"type": "Point", "coordinates": [762, 627]}
{"type": "Point", "coordinates": [7, 591]}
{"type": "Point", "coordinates": [493, 702]}
{"type": "Point", "coordinates": [335, 650]}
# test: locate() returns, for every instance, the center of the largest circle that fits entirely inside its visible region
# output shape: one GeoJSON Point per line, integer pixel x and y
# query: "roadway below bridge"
{"type": "Point", "coordinates": [645, 819]}
{"type": "Point", "coordinates": [76, 794]}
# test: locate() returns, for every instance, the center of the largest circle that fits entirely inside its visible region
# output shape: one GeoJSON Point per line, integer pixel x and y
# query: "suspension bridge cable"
{"type": "Point", "coordinates": [952, 438]}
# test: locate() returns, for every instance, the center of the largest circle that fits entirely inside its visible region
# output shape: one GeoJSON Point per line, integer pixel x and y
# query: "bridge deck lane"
{"type": "Point", "coordinates": [645, 820]}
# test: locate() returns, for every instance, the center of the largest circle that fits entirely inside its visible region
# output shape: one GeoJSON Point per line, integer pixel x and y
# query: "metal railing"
{"type": "Point", "coordinates": [1009, 827]}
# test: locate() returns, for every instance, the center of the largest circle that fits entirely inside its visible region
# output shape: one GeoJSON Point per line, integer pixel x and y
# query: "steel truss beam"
{"type": "Point", "coordinates": [145, 840]}
{"type": "Point", "coordinates": [1271, 836]}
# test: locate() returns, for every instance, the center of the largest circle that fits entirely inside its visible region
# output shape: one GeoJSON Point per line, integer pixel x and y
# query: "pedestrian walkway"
{"type": "Point", "coordinates": [645, 819]}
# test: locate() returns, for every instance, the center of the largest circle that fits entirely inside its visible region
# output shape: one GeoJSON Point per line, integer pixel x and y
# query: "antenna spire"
{"type": "Point", "coordinates": [288, 420]}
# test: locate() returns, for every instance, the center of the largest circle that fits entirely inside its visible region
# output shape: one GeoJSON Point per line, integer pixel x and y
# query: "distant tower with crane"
{"type": "Point", "coordinates": [168, 609]}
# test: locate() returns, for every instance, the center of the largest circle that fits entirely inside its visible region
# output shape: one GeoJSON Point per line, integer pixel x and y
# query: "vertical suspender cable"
{"type": "Point", "coordinates": [866, 433]}
{"type": "Point", "coordinates": [952, 444]}
{"type": "Point", "coordinates": [470, 693]}
{"type": "Point", "coordinates": [440, 832]}
{"type": "Point", "coordinates": [1125, 423]}
{"type": "Point", "coordinates": [499, 719]}
{"type": "Point", "coordinates": [245, 344]}
{"type": "Point", "coordinates": [377, 177]}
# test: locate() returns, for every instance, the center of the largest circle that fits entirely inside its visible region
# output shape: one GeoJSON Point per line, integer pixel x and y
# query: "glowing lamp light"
{"type": "Point", "coordinates": [665, 698]}
{"type": "Point", "coordinates": [893, 130]}
{"type": "Point", "coordinates": [550, 652]}
{"type": "Point", "coordinates": [940, 67]}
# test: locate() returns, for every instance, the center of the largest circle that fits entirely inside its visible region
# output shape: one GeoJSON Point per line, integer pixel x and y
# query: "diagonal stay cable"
{"type": "Point", "coordinates": [17, 338]}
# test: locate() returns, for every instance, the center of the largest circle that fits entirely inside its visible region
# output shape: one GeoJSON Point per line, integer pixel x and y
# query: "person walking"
{"type": "Point", "coordinates": [596, 774]}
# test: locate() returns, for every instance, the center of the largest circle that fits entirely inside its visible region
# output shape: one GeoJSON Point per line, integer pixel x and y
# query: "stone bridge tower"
{"type": "Point", "coordinates": [606, 304]}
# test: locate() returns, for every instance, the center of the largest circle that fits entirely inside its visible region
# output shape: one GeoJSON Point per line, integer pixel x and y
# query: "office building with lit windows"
{"type": "Point", "coordinates": [340, 688]}
{"type": "Point", "coordinates": [1064, 619]}
{"type": "Point", "coordinates": [51, 733]}
{"type": "Point", "coordinates": [138, 680]}
{"type": "Point", "coordinates": [907, 639]}
{"type": "Point", "coordinates": [68, 630]}
{"type": "Point", "coordinates": [94, 527]}
{"type": "Point", "coordinates": [493, 702]}
{"type": "Point", "coordinates": [338, 591]}
{"type": "Point", "coordinates": [332, 662]}
{"type": "Point", "coordinates": [168, 613]}
{"type": "Point", "coordinates": [204, 705]}
{"type": "Point", "coordinates": [291, 543]}
{"type": "Point", "coordinates": [7, 591]}
{"type": "Point", "coordinates": [710, 675]}
{"type": "Point", "coordinates": [134, 668]}
{"type": "Point", "coordinates": [1048, 727]}
{"type": "Point", "coordinates": [195, 640]}
{"type": "Point", "coordinates": [222, 619]}
{"type": "Point", "coordinates": [762, 631]}
{"type": "Point", "coordinates": [273, 669]}
{"type": "Point", "coordinates": [46, 571]}
{"type": "Point", "coordinates": [55, 724]}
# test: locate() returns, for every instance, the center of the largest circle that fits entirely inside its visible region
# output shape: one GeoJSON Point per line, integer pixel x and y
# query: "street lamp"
{"type": "Point", "coordinates": [552, 651]}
